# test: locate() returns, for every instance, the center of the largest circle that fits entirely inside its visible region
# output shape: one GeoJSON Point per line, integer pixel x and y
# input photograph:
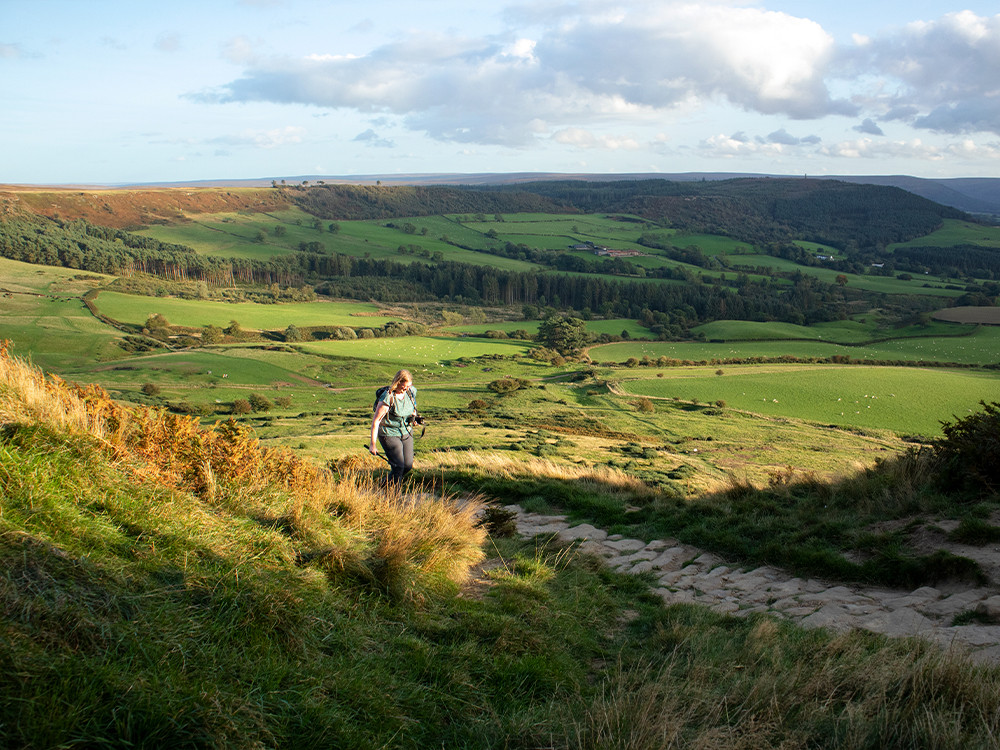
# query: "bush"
{"type": "Point", "coordinates": [508, 385]}
{"type": "Point", "coordinates": [151, 389]}
{"type": "Point", "coordinates": [970, 451]}
{"type": "Point", "coordinates": [241, 406]}
{"type": "Point", "coordinates": [645, 405]}
{"type": "Point", "coordinates": [260, 403]}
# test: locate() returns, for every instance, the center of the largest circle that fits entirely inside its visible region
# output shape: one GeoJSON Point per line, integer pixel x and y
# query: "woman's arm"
{"type": "Point", "coordinates": [380, 411]}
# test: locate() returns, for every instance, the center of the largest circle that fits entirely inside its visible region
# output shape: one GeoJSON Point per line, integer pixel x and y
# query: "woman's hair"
{"type": "Point", "coordinates": [403, 376]}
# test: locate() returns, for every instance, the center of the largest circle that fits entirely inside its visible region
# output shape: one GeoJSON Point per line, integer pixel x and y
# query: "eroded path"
{"type": "Point", "coordinates": [687, 574]}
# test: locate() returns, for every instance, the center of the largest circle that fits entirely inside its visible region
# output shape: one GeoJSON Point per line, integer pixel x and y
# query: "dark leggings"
{"type": "Point", "coordinates": [399, 451]}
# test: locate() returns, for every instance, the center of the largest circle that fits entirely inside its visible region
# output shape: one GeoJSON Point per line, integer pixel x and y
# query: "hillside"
{"type": "Point", "coordinates": [764, 210]}
{"type": "Point", "coordinates": [166, 585]}
{"type": "Point", "coordinates": [975, 195]}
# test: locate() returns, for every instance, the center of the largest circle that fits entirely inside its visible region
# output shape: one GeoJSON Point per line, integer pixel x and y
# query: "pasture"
{"type": "Point", "coordinates": [466, 239]}
{"type": "Point", "coordinates": [55, 332]}
{"type": "Point", "coordinates": [413, 351]}
{"type": "Point", "coordinates": [905, 400]}
{"type": "Point", "coordinates": [956, 232]}
{"type": "Point", "coordinates": [931, 286]}
{"type": "Point", "coordinates": [838, 331]}
{"type": "Point", "coordinates": [235, 235]}
{"type": "Point", "coordinates": [982, 347]}
{"type": "Point", "coordinates": [135, 309]}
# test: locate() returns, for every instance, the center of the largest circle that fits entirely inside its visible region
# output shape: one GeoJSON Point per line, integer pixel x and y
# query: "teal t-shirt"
{"type": "Point", "coordinates": [394, 424]}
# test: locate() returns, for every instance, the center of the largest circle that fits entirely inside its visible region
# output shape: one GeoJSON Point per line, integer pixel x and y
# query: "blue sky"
{"type": "Point", "coordinates": [112, 91]}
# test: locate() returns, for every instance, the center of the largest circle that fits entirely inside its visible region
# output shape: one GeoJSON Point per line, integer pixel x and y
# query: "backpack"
{"type": "Point", "coordinates": [411, 392]}
{"type": "Point", "coordinates": [379, 392]}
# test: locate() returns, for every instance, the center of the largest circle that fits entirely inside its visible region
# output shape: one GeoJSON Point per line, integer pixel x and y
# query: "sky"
{"type": "Point", "coordinates": [134, 91]}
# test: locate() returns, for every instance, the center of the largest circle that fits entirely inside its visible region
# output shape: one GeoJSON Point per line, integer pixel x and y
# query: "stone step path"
{"type": "Point", "coordinates": [687, 574]}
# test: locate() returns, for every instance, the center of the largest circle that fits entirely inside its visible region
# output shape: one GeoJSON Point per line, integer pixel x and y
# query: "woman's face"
{"type": "Point", "coordinates": [403, 385]}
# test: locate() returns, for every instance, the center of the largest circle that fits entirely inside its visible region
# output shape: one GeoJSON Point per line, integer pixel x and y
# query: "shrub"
{"type": "Point", "coordinates": [645, 405]}
{"type": "Point", "coordinates": [241, 406]}
{"type": "Point", "coordinates": [507, 385]}
{"type": "Point", "coordinates": [151, 389]}
{"type": "Point", "coordinates": [970, 451]}
{"type": "Point", "coordinates": [260, 403]}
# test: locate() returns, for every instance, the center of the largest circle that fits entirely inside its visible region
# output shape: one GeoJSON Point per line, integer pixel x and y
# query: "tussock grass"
{"type": "Point", "coordinates": [599, 493]}
{"type": "Point", "coordinates": [764, 684]}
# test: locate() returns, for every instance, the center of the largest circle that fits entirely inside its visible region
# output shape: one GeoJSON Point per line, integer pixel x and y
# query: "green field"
{"type": "Point", "coordinates": [234, 235]}
{"type": "Point", "coordinates": [840, 331]}
{"type": "Point", "coordinates": [55, 332]}
{"type": "Point", "coordinates": [843, 395]}
{"type": "Point", "coordinates": [955, 232]}
{"type": "Point", "coordinates": [413, 351]}
{"type": "Point", "coordinates": [135, 309]}
{"type": "Point", "coordinates": [931, 286]}
{"type": "Point", "coordinates": [979, 348]}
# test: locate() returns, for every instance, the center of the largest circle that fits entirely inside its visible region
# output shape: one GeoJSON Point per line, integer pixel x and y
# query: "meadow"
{"type": "Point", "coordinates": [956, 232]}
{"type": "Point", "coordinates": [467, 239]}
{"type": "Point", "coordinates": [846, 396]}
{"type": "Point", "coordinates": [135, 309]}
{"type": "Point", "coordinates": [982, 347]}
{"type": "Point", "coordinates": [860, 331]}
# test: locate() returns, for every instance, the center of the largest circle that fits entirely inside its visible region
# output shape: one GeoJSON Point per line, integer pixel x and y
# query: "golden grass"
{"type": "Point", "coordinates": [603, 478]}
{"type": "Point", "coordinates": [415, 540]}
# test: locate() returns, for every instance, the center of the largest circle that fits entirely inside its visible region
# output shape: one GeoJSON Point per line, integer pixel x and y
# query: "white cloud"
{"type": "Point", "coordinates": [739, 145]}
{"type": "Point", "coordinates": [566, 71]}
{"type": "Point", "coordinates": [580, 138]}
{"type": "Point", "coordinates": [915, 149]}
{"type": "Point", "coordinates": [588, 65]}
{"type": "Point", "coordinates": [266, 139]}
{"type": "Point", "coordinates": [939, 75]}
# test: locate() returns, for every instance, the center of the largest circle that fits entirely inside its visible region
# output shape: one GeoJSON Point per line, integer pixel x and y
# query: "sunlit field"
{"type": "Point", "coordinates": [981, 347]}
{"type": "Point", "coordinates": [903, 399]}
{"type": "Point", "coordinates": [135, 309]}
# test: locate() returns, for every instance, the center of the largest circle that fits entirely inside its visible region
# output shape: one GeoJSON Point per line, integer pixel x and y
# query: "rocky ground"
{"type": "Point", "coordinates": [687, 574]}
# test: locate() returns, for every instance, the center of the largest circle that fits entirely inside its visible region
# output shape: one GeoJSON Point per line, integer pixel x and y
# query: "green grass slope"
{"type": "Point", "coordinates": [167, 586]}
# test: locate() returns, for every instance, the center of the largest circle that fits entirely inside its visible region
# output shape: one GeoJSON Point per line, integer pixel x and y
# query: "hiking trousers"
{"type": "Point", "coordinates": [399, 452]}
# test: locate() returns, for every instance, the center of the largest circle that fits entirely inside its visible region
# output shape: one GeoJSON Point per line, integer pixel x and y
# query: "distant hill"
{"type": "Point", "coordinates": [976, 195]}
{"type": "Point", "coordinates": [762, 210]}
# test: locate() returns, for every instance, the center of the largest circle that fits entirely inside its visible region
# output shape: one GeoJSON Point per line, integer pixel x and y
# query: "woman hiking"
{"type": "Point", "coordinates": [392, 424]}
